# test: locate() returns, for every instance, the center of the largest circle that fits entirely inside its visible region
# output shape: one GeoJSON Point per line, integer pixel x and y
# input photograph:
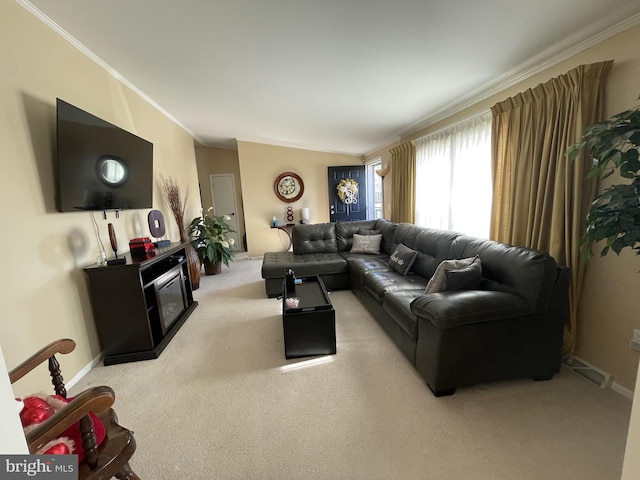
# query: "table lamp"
{"type": "Point", "coordinates": [304, 215]}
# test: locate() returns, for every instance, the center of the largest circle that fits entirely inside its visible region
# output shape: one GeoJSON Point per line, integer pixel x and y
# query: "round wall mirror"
{"type": "Point", "coordinates": [112, 171]}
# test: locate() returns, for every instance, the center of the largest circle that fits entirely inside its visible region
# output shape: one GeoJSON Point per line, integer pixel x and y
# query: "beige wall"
{"type": "Point", "coordinates": [217, 161]}
{"type": "Point", "coordinates": [259, 166]}
{"type": "Point", "coordinates": [609, 310]}
{"type": "Point", "coordinates": [44, 291]}
{"type": "Point", "coordinates": [12, 440]}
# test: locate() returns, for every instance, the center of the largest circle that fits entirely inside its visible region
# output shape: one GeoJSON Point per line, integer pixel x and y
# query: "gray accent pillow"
{"type": "Point", "coordinates": [467, 278]}
{"type": "Point", "coordinates": [366, 243]}
{"type": "Point", "coordinates": [438, 283]}
{"type": "Point", "coordinates": [402, 259]}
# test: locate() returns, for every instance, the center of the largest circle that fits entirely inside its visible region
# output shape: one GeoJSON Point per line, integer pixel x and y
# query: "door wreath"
{"type": "Point", "coordinates": [348, 191]}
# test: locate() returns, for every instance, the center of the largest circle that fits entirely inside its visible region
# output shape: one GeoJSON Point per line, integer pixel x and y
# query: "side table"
{"type": "Point", "coordinates": [286, 229]}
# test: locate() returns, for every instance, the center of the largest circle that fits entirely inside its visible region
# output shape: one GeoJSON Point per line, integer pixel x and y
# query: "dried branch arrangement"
{"type": "Point", "coordinates": [176, 203]}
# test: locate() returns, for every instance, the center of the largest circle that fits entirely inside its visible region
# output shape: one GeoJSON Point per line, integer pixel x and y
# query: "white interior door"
{"type": "Point", "coordinates": [223, 193]}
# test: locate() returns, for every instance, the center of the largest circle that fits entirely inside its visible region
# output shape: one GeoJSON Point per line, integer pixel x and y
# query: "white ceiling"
{"type": "Point", "coordinates": [333, 75]}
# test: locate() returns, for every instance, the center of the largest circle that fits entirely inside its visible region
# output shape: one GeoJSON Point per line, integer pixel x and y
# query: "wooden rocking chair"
{"type": "Point", "coordinates": [111, 457]}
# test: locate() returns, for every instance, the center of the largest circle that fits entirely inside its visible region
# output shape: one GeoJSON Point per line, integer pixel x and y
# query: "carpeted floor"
{"type": "Point", "coordinates": [222, 403]}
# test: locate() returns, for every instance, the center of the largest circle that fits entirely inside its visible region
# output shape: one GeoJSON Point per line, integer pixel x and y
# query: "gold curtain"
{"type": "Point", "coordinates": [403, 168]}
{"type": "Point", "coordinates": [540, 197]}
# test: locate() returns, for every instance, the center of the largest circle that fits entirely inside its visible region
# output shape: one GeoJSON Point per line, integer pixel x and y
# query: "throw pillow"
{"type": "Point", "coordinates": [366, 243]}
{"type": "Point", "coordinates": [36, 409]}
{"type": "Point", "coordinates": [467, 278]}
{"type": "Point", "coordinates": [402, 259]}
{"type": "Point", "coordinates": [438, 282]}
{"type": "Point", "coordinates": [364, 231]}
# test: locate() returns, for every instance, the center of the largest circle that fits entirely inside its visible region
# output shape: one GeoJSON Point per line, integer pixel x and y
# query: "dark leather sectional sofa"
{"type": "Point", "coordinates": [508, 325]}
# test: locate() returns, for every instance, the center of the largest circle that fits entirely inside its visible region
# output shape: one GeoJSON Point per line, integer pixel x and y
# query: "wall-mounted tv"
{"type": "Point", "coordinates": [100, 166]}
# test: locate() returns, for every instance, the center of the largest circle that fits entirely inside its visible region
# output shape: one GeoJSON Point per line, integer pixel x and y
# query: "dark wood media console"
{"type": "Point", "coordinates": [140, 305]}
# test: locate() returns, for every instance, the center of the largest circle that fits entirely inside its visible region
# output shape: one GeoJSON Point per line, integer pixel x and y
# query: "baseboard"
{"type": "Point", "coordinates": [588, 371]}
{"type": "Point", "coordinates": [86, 369]}
{"type": "Point", "coordinates": [625, 392]}
{"type": "Point", "coordinates": [596, 375]}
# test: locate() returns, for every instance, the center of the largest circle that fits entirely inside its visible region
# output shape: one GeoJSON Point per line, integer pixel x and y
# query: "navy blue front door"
{"type": "Point", "coordinates": [347, 206]}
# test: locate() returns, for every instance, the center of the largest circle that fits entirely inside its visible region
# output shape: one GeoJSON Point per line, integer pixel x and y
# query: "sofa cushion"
{"type": "Point", "coordinates": [366, 244]}
{"type": "Point", "coordinates": [438, 282]}
{"type": "Point", "coordinates": [431, 244]}
{"type": "Point", "coordinates": [314, 238]}
{"type": "Point", "coordinates": [364, 231]}
{"type": "Point", "coordinates": [529, 272]}
{"type": "Point", "coordinates": [350, 256]}
{"type": "Point", "coordinates": [452, 309]}
{"type": "Point", "coordinates": [398, 306]}
{"type": "Point", "coordinates": [274, 264]}
{"type": "Point", "coordinates": [425, 264]}
{"type": "Point", "coordinates": [388, 230]}
{"type": "Point", "coordinates": [406, 234]}
{"type": "Point", "coordinates": [345, 231]}
{"type": "Point", "coordinates": [402, 259]}
{"type": "Point", "coordinates": [380, 282]}
{"type": "Point", "coordinates": [360, 265]}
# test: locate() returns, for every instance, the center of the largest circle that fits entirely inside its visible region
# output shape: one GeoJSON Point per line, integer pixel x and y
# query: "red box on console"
{"type": "Point", "coordinates": [141, 247]}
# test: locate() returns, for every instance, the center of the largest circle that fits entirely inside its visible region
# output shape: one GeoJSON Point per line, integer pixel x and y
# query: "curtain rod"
{"type": "Point", "coordinates": [448, 127]}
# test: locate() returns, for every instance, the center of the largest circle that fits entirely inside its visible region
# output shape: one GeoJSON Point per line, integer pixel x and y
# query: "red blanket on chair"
{"type": "Point", "coordinates": [38, 408]}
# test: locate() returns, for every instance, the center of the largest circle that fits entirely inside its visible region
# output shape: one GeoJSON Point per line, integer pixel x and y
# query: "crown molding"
{"type": "Point", "coordinates": [537, 64]}
{"type": "Point", "coordinates": [96, 59]}
{"type": "Point", "coordinates": [314, 148]}
{"type": "Point", "coordinates": [533, 66]}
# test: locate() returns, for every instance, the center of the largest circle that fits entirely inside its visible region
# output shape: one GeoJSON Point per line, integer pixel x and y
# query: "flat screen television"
{"type": "Point", "coordinates": [100, 166]}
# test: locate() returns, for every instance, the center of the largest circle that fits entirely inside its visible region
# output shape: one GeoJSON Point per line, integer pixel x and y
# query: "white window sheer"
{"type": "Point", "coordinates": [453, 178]}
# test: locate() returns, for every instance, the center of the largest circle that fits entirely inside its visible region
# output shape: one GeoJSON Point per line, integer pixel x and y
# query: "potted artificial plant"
{"type": "Point", "coordinates": [209, 237]}
{"type": "Point", "coordinates": [614, 217]}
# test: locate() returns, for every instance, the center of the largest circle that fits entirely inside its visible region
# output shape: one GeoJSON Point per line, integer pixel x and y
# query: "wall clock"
{"type": "Point", "coordinates": [288, 187]}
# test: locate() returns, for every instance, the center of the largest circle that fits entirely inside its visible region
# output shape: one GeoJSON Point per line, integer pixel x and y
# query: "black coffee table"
{"type": "Point", "coordinates": [310, 327]}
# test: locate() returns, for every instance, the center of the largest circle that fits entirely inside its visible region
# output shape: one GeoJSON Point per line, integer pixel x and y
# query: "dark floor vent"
{"type": "Point", "coordinates": [588, 371]}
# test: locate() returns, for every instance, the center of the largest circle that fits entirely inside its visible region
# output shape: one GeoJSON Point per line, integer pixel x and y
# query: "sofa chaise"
{"type": "Point", "coordinates": [462, 310]}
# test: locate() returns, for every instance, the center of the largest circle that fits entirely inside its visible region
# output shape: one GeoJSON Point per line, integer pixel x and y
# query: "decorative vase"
{"type": "Point", "coordinates": [211, 268]}
{"type": "Point", "coordinates": [193, 261]}
{"type": "Point", "coordinates": [194, 266]}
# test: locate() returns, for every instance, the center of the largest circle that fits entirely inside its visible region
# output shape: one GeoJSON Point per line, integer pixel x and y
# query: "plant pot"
{"type": "Point", "coordinates": [212, 268]}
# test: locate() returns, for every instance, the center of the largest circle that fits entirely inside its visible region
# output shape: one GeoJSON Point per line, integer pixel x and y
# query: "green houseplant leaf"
{"type": "Point", "coordinates": [209, 236]}
{"type": "Point", "coordinates": [614, 216]}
